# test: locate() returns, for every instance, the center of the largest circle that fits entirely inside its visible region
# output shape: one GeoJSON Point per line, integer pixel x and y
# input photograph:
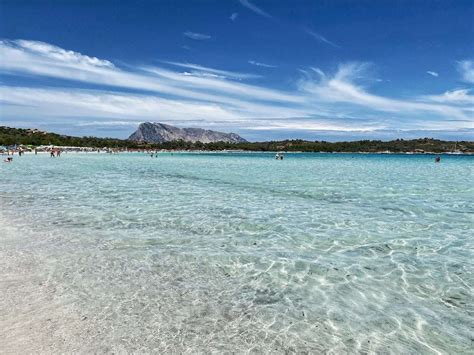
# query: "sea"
{"type": "Point", "coordinates": [237, 253]}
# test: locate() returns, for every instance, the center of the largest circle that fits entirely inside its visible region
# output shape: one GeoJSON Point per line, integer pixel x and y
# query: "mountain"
{"type": "Point", "coordinates": [159, 133]}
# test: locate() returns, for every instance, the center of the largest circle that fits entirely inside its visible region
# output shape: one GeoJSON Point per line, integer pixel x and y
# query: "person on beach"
{"type": "Point", "coordinates": [52, 154]}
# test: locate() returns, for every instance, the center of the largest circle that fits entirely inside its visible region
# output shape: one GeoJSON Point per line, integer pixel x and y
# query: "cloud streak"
{"type": "Point", "coordinates": [460, 96]}
{"type": "Point", "coordinates": [254, 8]}
{"type": "Point", "coordinates": [321, 38]}
{"type": "Point", "coordinates": [432, 73]}
{"type": "Point", "coordinates": [199, 69]}
{"type": "Point", "coordinates": [59, 54]}
{"type": "Point", "coordinates": [259, 64]}
{"type": "Point", "coordinates": [196, 36]}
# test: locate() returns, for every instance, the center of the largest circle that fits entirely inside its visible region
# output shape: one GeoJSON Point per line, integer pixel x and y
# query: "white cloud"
{"type": "Point", "coordinates": [342, 88]}
{"type": "Point", "coordinates": [199, 69]}
{"type": "Point", "coordinates": [73, 103]}
{"type": "Point", "coordinates": [234, 16]}
{"type": "Point", "coordinates": [59, 54]}
{"type": "Point", "coordinates": [316, 124]}
{"type": "Point", "coordinates": [22, 50]}
{"type": "Point", "coordinates": [320, 101]}
{"type": "Point", "coordinates": [197, 36]}
{"type": "Point", "coordinates": [432, 73]}
{"type": "Point", "coordinates": [460, 96]}
{"type": "Point", "coordinates": [258, 64]}
{"type": "Point", "coordinates": [98, 108]}
{"type": "Point", "coordinates": [321, 38]}
{"type": "Point", "coordinates": [106, 123]}
{"type": "Point", "coordinates": [466, 68]}
{"type": "Point", "coordinates": [16, 59]}
{"type": "Point", "coordinates": [215, 89]}
{"type": "Point", "coordinates": [255, 8]}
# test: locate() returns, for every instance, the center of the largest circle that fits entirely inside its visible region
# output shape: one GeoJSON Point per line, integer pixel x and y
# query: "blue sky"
{"type": "Point", "coordinates": [333, 70]}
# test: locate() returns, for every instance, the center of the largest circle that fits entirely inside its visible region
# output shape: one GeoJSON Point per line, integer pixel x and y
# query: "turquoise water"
{"type": "Point", "coordinates": [232, 252]}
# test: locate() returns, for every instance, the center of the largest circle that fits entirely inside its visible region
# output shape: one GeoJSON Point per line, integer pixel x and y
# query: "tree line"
{"type": "Point", "coordinates": [11, 136]}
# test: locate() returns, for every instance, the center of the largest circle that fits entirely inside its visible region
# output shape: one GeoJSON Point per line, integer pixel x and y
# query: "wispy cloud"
{"type": "Point", "coordinates": [16, 59]}
{"type": "Point", "coordinates": [101, 108]}
{"type": "Point", "coordinates": [57, 53]}
{"type": "Point", "coordinates": [175, 95]}
{"type": "Point", "coordinates": [254, 8]}
{"type": "Point", "coordinates": [321, 38]}
{"type": "Point", "coordinates": [466, 68]}
{"type": "Point", "coordinates": [432, 73]}
{"type": "Point", "coordinates": [316, 124]}
{"type": "Point", "coordinates": [460, 96]}
{"type": "Point", "coordinates": [320, 101]}
{"type": "Point", "coordinates": [74, 104]}
{"type": "Point", "coordinates": [259, 64]}
{"type": "Point", "coordinates": [234, 16]}
{"type": "Point", "coordinates": [200, 70]}
{"type": "Point", "coordinates": [342, 88]}
{"type": "Point", "coordinates": [197, 36]}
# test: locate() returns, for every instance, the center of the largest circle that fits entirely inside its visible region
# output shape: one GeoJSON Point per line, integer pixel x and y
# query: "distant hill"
{"type": "Point", "coordinates": [158, 133]}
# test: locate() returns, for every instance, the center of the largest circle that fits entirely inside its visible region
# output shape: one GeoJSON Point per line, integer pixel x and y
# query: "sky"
{"type": "Point", "coordinates": [319, 70]}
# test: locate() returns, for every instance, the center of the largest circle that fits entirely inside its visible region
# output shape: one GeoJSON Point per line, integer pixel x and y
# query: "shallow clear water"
{"type": "Point", "coordinates": [239, 252]}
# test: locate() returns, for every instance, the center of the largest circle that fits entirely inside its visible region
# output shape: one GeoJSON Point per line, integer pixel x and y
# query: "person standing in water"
{"type": "Point", "coordinates": [437, 159]}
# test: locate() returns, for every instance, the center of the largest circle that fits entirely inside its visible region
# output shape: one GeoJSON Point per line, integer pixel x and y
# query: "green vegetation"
{"type": "Point", "coordinates": [10, 136]}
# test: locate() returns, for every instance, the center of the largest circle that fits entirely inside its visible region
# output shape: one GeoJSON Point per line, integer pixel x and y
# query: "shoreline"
{"type": "Point", "coordinates": [30, 140]}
